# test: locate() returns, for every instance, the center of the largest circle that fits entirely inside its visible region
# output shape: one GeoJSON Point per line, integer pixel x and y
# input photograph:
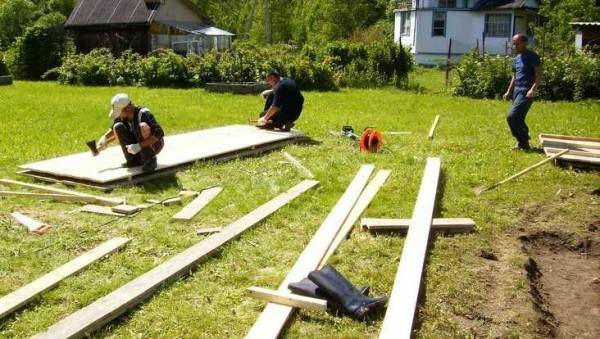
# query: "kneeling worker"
{"type": "Point", "coordinates": [283, 105]}
{"type": "Point", "coordinates": [135, 128]}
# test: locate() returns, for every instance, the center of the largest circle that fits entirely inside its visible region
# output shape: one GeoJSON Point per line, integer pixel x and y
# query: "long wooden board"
{"type": "Point", "coordinates": [104, 210]}
{"type": "Point", "coordinates": [274, 317]}
{"type": "Point", "coordinates": [287, 299]}
{"type": "Point", "coordinates": [363, 202]}
{"type": "Point", "coordinates": [178, 150]}
{"type": "Point", "coordinates": [438, 224]}
{"type": "Point", "coordinates": [398, 321]}
{"type": "Point", "coordinates": [129, 295]}
{"type": "Point", "coordinates": [105, 201]}
{"type": "Point", "coordinates": [305, 171]}
{"type": "Point", "coordinates": [19, 298]}
{"type": "Point", "coordinates": [194, 207]}
{"type": "Point", "coordinates": [46, 196]}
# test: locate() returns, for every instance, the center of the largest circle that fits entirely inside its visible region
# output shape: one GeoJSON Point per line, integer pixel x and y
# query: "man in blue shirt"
{"type": "Point", "coordinates": [527, 75]}
{"type": "Point", "coordinates": [283, 105]}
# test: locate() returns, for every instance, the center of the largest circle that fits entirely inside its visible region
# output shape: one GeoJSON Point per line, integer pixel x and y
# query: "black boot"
{"type": "Point", "coordinates": [308, 288]}
{"type": "Point", "coordinates": [339, 289]}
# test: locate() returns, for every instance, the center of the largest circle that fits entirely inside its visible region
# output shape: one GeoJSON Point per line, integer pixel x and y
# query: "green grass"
{"type": "Point", "coordinates": [43, 120]}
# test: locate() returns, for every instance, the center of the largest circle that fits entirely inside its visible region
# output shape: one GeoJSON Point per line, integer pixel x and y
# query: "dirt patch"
{"type": "Point", "coordinates": [564, 274]}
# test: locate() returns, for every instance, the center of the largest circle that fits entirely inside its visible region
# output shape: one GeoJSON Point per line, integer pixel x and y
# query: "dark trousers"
{"type": "Point", "coordinates": [516, 116]}
{"type": "Point", "coordinates": [126, 137]}
{"type": "Point", "coordinates": [283, 117]}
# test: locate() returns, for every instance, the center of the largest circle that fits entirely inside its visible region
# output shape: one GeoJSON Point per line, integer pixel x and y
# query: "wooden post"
{"type": "Point", "coordinates": [448, 61]}
{"type": "Point", "coordinates": [483, 43]}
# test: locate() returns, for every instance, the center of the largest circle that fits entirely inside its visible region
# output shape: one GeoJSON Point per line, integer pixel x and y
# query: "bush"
{"type": "Point", "coordinates": [3, 68]}
{"type": "Point", "coordinates": [39, 49]}
{"type": "Point", "coordinates": [325, 68]}
{"type": "Point", "coordinates": [565, 78]}
{"type": "Point", "coordinates": [164, 68]}
{"type": "Point", "coordinates": [483, 76]}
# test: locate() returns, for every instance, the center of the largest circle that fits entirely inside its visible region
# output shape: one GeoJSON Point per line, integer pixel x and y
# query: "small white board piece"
{"type": "Point", "coordinates": [274, 317]}
{"type": "Point", "coordinates": [433, 127]}
{"type": "Point", "coordinates": [19, 298]}
{"type": "Point", "coordinates": [172, 201]}
{"type": "Point", "coordinates": [305, 171]}
{"type": "Point", "coordinates": [104, 210]}
{"type": "Point", "coordinates": [287, 299]}
{"type": "Point", "coordinates": [33, 226]}
{"type": "Point", "coordinates": [125, 209]}
{"type": "Point", "coordinates": [179, 149]}
{"type": "Point", "coordinates": [399, 317]}
{"type": "Point", "coordinates": [93, 199]}
{"type": "Point", "coordinates": [194, 207]}
{"type": "Point", "coordinates": [361, 205]}
{"type": "Point", "coordinates": [109, 307]}
{"type": "Point", "coordinates": [438, 224]}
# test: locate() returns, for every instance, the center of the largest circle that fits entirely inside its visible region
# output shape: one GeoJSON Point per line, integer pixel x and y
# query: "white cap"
{"type": "Point", "coordinates": [117, 104]}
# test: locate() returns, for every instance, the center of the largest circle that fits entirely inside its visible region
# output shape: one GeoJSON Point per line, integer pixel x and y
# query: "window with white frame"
{"type": "Point", "coordinates": [405, 23]}
{"type": "Point", "coordinates": [439, 24]}
{"type": "Point", "coordinates": [498, 25]}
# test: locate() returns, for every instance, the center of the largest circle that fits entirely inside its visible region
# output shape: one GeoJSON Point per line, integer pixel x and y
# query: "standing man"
{"type": "Point", "coordinates": [136, 130]}
{"type": "Point", "coordinates": [527, 75]}
{"type": "Point", "coordinates": [283, 106]}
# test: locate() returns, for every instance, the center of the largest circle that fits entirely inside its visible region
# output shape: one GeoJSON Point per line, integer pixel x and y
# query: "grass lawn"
{"type": "Point", "coordinates": [462, 290]}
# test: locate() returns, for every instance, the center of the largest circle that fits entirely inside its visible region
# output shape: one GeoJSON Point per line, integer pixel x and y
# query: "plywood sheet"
{"type": "Point", "coordinates": [179, 149]}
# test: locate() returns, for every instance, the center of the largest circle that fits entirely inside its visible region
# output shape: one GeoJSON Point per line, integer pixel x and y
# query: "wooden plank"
{"type": "Point", "coordinates": [32, 225]}
{"type": "Point", "coordinates": [273, 318]}
{"type": "Point", "coordinates": [57, 180]}
{"type": "Point", "coordinates": [433, 127]}
{"type": "Point", "coordinates": [398, 321]}
{"type": "Point", "coordinates": [308, 174]}
{"type": "Point", "coordinates": [438, 224]}
{"type": "Point", "coordinates": [363, 202]}
{"type": "Point", "coordinates": [47, 196]}
{"type": "Point", "coordinates": [172, 201]}
{"type": "Point", "coordinates": [287, 299]}
{"type": "Point", "coordinates": [19, 298]}
{"type": "Point", "coordinates": [109, 307]}
{"type": "Point", "coordinates": [125, 209]}
{"type": "Point", "coordinates": [583, 152]}
{"type": "Point", "coordinates": [104, 210]}
{"type": "Point", "coordinates": [568, 137]}
{"type": "Point", "coordinates": [179, 150]}
{"type": "Point", "coordinates": [570, 144]}
{"type": "Point", "coordinates": [194, 207]}
{"type": "Point", "coordinates": [105, 201]}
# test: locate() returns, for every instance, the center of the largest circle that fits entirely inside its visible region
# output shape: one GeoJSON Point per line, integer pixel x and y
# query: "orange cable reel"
{"type": "Point", "coordinates": [371, 140]}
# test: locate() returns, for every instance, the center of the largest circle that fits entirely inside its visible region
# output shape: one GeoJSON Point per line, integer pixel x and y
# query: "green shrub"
{"type": "Point", "coordinates": [483, 76]}
{"type": "Point", "coordinates": [3, 68]}
{"type": "Point", "coordinates": [93, 69]}
{"type": "Point", "coordinates": [164, 68]}
{"type": "Point", "coordinates": [127, 70]}
{"type": "Point", "coordinates": [574, 77]}
{"type": "Point", "coordinates": [202, 69]}
{"type": "Point", "coordinates": [39, 49]}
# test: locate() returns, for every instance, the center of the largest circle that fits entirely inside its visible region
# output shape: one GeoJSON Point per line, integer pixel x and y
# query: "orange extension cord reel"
{"type": "Point", "coordinates": [371, 140]}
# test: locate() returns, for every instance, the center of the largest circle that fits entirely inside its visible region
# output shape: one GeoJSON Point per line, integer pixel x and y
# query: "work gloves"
{"type": "Point", "coordinates": [102, 143]}
{"type": "Point", "coordinates": [134, 148]}
{"type": "Point", "coordinates": [341, 295]}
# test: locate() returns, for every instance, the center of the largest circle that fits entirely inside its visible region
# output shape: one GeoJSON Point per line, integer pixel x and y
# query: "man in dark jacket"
{"type": "Point", "coordinates": [136, 130]}
{"type": "Point", "coordinates": [283, 105]}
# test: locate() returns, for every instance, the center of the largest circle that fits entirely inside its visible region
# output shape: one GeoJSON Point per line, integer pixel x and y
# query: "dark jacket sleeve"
{"type": "Point", "coordinates": [148, 118]}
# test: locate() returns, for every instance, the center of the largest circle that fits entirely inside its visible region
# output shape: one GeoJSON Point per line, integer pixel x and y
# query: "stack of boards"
{"type": "Point", "coordinates": [105, 171]}
{"type": "Point", "coordinates": [582, 150]}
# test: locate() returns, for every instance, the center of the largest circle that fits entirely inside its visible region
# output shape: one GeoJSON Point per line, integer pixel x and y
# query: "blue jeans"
{"type": "Point", "coordinates": [516, 116]}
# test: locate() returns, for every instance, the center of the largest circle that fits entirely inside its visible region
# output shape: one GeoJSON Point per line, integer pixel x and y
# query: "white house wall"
{"type": "Point", "coordinates": [464, 27]}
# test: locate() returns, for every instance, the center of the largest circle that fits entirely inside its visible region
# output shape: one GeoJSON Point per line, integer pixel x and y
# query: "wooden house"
{"type": "Point", "coordinates": [144, 26]}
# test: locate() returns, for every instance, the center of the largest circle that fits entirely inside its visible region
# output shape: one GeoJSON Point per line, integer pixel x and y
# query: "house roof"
{"type": "Point", "coordinates": [501, 4]}
{"type": "Point", "coordinates": [110, 12]}
{"type": "Point", "coordinates": [116, 12]}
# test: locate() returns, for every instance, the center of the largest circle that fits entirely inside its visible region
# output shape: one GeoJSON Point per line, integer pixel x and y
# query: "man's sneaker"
{"type": "Point", "coordinates": [521, 147]}
{"type": "Point", "coordinates": [150, 165]}
{"type": "Point", "coordinates": [288, 127]}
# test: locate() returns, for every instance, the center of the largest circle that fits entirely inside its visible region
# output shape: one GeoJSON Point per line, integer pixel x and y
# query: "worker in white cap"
{"type": "Point", "coordinates": [136, 130]}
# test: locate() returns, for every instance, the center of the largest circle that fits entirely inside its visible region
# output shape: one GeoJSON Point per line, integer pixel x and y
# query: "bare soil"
{"type": "Point", "coordinates": [564, 274]}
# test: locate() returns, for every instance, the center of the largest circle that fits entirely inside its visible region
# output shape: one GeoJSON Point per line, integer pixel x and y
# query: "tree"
{"type": "Point", "coordinates": [15, 16]}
